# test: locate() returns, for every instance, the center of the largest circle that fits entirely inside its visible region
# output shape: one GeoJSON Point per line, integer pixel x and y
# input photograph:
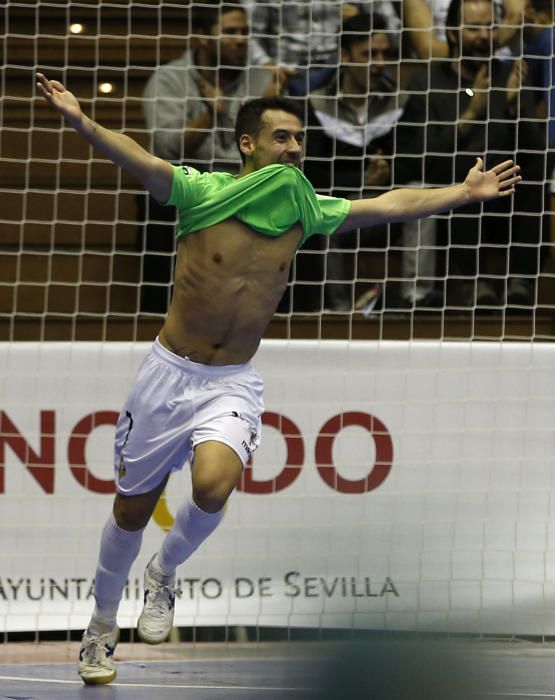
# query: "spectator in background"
{"type": "Point", "coordinates": [475, 105]}
{"type": "Point", "coordinates": [191, 103]}
{"type": "Point", "coordinates": [190, 106]}
{"type": "Point", "coordinates": [304, 36]}
{"type": "Point", "coordinates": [539, 53]}
{"type": "Point", "coordinates": [425, 22]}
{"type": "Point", "coordinates": [349, 118]}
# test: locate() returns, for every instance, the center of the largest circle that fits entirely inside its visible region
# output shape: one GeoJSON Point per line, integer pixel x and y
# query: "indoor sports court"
{"type": "Point", "coordinates": [383, 667]}
{"type": "Point", "coordinates": [393, 535]}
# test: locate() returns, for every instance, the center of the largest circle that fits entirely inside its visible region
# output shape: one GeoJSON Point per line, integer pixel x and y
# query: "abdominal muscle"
{"type": "Point", "coordinates": [228, 282]}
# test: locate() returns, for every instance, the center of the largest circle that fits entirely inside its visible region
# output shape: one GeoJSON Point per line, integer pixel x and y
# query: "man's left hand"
{"type": "Point", "coordinates": [500, 181]}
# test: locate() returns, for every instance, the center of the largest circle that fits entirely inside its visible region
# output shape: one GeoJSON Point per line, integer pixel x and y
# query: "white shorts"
{"type": "Point", "coordinates": [174, 405]}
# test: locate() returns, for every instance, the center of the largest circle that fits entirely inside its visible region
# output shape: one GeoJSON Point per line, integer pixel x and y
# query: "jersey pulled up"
{"type": "Point", "coordinates": [270, 201]}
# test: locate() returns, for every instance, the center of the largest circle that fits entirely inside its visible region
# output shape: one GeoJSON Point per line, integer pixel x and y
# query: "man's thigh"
{"type": "Point", "coordinates": [215, 472]}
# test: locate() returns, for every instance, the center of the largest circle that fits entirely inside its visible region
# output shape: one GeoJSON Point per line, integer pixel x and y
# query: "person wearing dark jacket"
{"type": "Point", "coordinates": [473, 105]}
{"type": "Point", "coordinates": [351, 118]}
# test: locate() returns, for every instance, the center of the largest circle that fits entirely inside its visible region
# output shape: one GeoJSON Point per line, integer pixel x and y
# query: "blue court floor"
{"type": "Point", "coordinates": [377, 670]}
{"type": "Point", "coordinates": [208, 671]}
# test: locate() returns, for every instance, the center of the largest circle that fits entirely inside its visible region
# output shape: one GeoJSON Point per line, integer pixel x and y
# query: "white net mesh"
{"type": "Point", "coordinates": [73, 224]}
{"type": "Point", "coordinates": [86, 256]}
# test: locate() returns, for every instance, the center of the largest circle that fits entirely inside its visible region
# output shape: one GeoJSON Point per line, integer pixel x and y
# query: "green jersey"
{"type": "Point", "coordinates": [270, 200]}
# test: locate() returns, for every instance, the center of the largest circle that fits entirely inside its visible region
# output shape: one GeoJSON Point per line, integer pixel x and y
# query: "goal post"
{"type": "Point", "coordinates": [404, 481]}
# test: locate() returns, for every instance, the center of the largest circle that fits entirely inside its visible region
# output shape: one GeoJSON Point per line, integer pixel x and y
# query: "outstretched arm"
{"type": "Point", "coordinates": [154, 173]}
{"type": "Point", "coordinates": [419, 23]}
{"type": "Point", "coordinates": [406, 204]}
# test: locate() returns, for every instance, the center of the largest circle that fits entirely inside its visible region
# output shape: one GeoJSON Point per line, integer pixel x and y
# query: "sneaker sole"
{"type": "Point", "coordinates": [102, 680]}
{"type": "Point", "coordinates": [150, 640]}
{"type": "Point", "coordinates": [99, 680]}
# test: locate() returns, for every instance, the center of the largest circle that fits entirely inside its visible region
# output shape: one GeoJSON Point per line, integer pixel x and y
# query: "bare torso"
{"type": "Point", "coordinates": [228, 282]}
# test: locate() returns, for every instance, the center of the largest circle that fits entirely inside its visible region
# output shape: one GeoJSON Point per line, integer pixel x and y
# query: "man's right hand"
{"type": "Point", "coordinates": [154, 173]}
{"type": "Point", "coordinates": [62, 100]}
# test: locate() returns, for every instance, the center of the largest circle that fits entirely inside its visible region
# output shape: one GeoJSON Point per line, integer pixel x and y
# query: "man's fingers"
{"type": "Point", "coordinates": [511, 182]}
{"type": "Point", "coordinates": [46, 86]}
{"type": "Point", "coordinates": [44, 91]}
{"type": "Point", "coordinates": [42, 83]}
{"type": "Point", "coordinates": [505, 193]}
{"type": "Point", "coordinates": [505, 165]}
{"type": "Point", "coordinates": [509, 173]}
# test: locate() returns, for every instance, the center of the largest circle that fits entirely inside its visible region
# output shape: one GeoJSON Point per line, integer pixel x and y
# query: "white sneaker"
{"type": "Point", "coordinates": [156, 620]}
{"type": "Point", "coordinates": [96, 657]}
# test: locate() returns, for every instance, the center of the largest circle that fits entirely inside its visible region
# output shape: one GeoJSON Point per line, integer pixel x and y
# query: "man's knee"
{"type": "Point", "coordinates": [128, 516]}
{"type": "Point", "coordinates": [210, 493]}
{"type": "Point", "coordinates": [211, 500]}
{"type": "Point", "coordinates": [133, 512]}
{"type": "Point", "coordinates": [215, 479]}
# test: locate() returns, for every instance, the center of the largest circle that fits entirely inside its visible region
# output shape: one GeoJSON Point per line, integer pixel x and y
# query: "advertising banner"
{"type": "Point", "coordinates": [399, 486]}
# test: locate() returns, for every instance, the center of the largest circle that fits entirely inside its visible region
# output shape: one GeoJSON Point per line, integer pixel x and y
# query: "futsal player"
{"type": "Point", "coordinates": [196, 396]}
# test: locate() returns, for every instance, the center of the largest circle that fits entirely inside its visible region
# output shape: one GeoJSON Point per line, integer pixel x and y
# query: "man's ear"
{"type": "Point", "coordinates": [246, 144]}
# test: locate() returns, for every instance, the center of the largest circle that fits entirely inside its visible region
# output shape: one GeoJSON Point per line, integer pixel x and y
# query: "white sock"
{"type": "Point", "coordinates": [191, 527]}
{"type": "Point", "coordinates": [118, 550]}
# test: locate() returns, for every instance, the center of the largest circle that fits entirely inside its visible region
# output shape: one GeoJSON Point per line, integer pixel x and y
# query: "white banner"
{"type": "Point", "coordinates": [398, 486]}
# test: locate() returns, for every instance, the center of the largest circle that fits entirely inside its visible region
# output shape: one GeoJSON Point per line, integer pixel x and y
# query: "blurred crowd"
{"type": "Point", "coordinates": [396, 93]}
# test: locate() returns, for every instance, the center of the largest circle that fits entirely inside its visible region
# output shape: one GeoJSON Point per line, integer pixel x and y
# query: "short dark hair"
{"type": "Point", "coordinates": [249, 117]}
{"type": "Point", "coordinates": [358, 28]}
{"type": "Point", "coordinates": [206, 13]}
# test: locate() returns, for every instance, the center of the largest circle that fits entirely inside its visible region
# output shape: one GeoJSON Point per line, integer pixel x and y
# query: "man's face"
{"type": "Point", "coordinates": [230, 45]}
{"type": "Point", "coordinates": [280, 140]}
{"type": "Point", "coordinates": [366, 60]}
{"type": "Point", "coordinates": [478, 33]}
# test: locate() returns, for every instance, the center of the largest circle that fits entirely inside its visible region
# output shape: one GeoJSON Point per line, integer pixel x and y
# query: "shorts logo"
{"type": "Point", "coordinates": [247, 449]}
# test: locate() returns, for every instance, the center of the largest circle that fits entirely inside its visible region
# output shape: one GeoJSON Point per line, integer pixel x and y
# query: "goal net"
{"type": "Point", "coordinates": [404, 480]}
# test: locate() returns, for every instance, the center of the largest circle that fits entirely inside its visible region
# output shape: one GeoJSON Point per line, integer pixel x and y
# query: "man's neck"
{"type": "Point", "coordinates": [351, 92]}
{"type": "Point", "coordinates": [247, 169]}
